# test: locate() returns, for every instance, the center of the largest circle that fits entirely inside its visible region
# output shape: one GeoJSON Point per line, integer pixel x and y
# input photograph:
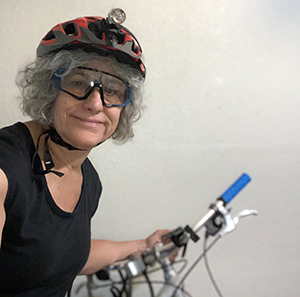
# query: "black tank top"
{"type": "Point", "coordinates": [43, 247]}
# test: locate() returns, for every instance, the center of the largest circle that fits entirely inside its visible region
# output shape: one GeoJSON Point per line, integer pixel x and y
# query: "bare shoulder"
{"type": "Point", "coordinates": [3, 191]}
{"type": "Point", "coordinates": [3, 187]}
{"type": "Point", "coordinates": [35, 129]}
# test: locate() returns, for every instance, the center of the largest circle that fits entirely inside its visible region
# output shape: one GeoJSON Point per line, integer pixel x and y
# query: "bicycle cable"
{"type": "Point", "coordinates": [214, 283]}
{"type": "Point", "coordinates": [149, 283]}
{"type": "Point", "coordinates": [194, 265]}
{"type": "Point", "coordinates": [156, 282]}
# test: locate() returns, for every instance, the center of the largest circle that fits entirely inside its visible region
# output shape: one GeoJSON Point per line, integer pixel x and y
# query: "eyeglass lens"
{"type": "Point", "coordinates": [79, 82]}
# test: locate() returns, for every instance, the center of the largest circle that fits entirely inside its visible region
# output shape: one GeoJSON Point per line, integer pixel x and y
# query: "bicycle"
{"type": "Point", "coordinates": [218, 222]}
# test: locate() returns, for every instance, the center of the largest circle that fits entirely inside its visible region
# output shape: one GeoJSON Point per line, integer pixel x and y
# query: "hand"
{"type": "Point", "coordinates": [155, 238]}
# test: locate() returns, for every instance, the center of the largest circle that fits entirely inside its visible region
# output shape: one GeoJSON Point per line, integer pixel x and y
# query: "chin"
{"type": "Point", "coordinates": [85, 143]}
{"type": "Point", "coordinates": [88, 145]}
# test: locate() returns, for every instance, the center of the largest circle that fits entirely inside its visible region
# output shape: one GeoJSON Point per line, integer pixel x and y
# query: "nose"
{"type": "Point", "coordinates": [94, 103]}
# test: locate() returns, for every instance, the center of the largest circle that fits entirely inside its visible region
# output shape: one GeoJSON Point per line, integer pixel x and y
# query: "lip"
{"type": "Point", "coordinates": [88, 122]}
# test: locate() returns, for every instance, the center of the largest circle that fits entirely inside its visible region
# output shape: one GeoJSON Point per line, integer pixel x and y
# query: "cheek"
{"type": "Point", "coordinates": [116, 117]}
{"type": "Point", "coordinates": [59, 110]}
{"type": "Point", "coordinates": [56, 113]}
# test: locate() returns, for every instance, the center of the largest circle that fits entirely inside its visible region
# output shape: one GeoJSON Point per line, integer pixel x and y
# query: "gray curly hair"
{"type": "Point", "coordinates": [39, 92]}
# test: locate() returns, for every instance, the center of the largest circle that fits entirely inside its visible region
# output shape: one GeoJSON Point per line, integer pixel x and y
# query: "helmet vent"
{"type": "Point", "coordinates": [49, 36]}
{"type": "Point", "coordinates": [95, 30]}
{"type": "Point", "coordinates": [70, 29]}
{"type": "Point", "coordinates": [134, 48]}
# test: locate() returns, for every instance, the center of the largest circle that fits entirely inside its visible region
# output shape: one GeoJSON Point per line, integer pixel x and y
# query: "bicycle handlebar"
{"type": "Point", "coordinates": [135, 266]}
{"type": "Point", "coordinates": [235, 188]}
{"type": "Point", "coordinates": [159, 252]}
{"type": "Point", "coordinates": [224, 199]}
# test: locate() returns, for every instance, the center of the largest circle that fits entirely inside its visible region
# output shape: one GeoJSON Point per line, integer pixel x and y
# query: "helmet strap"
{"type": "Point", "coordinates": [56, 138]}
{"type": "Point", "coordinates": [48, 162]}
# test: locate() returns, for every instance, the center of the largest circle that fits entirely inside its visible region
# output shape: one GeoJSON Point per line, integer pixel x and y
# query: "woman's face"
{"type": "Point", "coordinates": [85, 123]}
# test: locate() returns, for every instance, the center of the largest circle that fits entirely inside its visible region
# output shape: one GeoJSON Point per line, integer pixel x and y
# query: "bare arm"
{"type": "Point", "coordinates": [105, 252]}
{"type": "Point", "coordinates": [3, 191]}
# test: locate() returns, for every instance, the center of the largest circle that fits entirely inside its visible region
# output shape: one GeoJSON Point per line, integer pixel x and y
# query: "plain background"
{"type": "Point", "coordinates": [221, 98]}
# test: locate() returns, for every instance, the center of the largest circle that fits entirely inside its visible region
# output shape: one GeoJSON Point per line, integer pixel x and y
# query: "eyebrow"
{"type": "Point", "coordinates": [114, 79]}
{"type": "Point", "coordinates": [111, 79]}
{"type": "Point", "coordinates": [100, 71]}
{"type": "Point", "coordinates": [85, 74]}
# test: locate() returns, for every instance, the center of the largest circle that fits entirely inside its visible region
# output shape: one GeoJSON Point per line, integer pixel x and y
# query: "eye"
{"type": "Point", "coordinates": [78, 83]}
{"type": "Point", "coordinates": [110, 90]}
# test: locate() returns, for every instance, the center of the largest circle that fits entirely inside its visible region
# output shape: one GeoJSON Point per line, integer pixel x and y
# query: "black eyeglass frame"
{"type": "Point", "coordinates": [57, 78]}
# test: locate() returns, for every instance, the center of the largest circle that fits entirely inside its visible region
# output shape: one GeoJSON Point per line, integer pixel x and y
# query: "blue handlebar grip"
{"type": "Point", "coordinates": [236, 188]}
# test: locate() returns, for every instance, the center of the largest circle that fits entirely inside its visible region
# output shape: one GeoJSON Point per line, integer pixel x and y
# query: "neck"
{"type": "Point", "coordinates": [55, 137]}
{"type": "Point", "coordinates": [66, 160]}
{"type": "Point", "coordinates": [63, 159]}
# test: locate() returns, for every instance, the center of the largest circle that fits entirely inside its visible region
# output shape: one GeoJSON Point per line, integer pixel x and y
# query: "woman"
{"type": "Point", "coordinates": [83, 88]}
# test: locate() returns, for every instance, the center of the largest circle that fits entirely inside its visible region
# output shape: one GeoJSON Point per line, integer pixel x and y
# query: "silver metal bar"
{"type": "Point", "coordinates": [207, 217]}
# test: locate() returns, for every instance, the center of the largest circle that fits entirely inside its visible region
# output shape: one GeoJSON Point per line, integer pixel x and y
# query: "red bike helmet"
{"type": "Point", "coordinates": [96, 34]}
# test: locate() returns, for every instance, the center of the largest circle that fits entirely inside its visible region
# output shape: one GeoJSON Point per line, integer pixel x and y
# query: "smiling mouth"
{"type": "Point", "coordinates": [88, 121]}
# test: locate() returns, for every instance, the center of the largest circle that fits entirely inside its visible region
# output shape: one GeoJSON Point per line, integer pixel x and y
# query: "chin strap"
{"type": "Point", "coordinates": [55, 137]}
{"type": "Point", "coordinates": [47, 158]}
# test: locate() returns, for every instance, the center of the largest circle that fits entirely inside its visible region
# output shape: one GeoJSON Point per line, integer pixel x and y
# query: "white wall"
{"type": "Point", "coordinates": [221, 98]}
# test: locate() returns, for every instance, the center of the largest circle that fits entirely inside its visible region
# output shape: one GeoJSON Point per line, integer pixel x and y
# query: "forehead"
{"type": "Point", "coordinates": [100, 66]}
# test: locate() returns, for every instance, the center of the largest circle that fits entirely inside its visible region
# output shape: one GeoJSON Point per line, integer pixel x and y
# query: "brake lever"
{"type": "Point", "coordinates": [231, 223]}
{"type": "Point", "coordinates": [244, 213]}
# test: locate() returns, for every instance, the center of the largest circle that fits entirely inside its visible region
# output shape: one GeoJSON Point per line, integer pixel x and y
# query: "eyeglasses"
{"type": "Point", "coordinates": [82, 81]}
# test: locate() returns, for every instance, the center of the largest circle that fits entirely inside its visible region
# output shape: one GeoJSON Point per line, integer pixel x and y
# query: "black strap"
{"type": "Point", "coordinates": [55, 137]}
{"type": "Point", "coordinates": [47, 158]}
